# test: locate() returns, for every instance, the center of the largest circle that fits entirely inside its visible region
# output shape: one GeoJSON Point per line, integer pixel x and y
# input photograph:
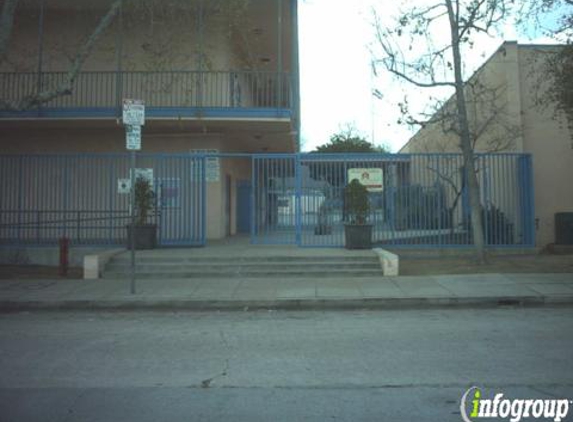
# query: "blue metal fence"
{"type": "Point", "coordinates": [299, 199]}
{"type": "Point", "coordinates": [294, 198]}
{"type": "Point", "coordinates": [45, 197]}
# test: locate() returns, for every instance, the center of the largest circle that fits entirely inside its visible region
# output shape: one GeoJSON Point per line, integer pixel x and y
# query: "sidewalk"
{"type": "Point", "coordinates": [242, 294]}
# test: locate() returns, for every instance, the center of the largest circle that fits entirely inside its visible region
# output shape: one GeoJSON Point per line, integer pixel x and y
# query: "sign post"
{"type": "Point", "coordinates": [133, 119]}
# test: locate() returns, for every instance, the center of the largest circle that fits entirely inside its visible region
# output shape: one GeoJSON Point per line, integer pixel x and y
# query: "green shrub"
{"type": "Point", "coordinates": [144, 200]}
{"type": "Point", "coordinates": [357, 204]}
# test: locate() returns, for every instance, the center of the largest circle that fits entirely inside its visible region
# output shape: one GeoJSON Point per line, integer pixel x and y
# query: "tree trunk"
{"type": "Point", "coordinates": [465, 138]}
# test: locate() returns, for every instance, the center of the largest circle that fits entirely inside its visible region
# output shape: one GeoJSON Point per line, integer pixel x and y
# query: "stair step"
{"type": "Point", "coordinates": [221, 266]}
{"type": "Point", "coordinates": [257, 260]}
{"type": "Point", "coordinates": [249, 274]}
{"type": "Point", "coordinates": [233, 267]}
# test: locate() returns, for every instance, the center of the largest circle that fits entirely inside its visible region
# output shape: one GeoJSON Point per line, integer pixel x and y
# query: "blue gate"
{"type": "Point", "coordinates": [83, 197]}
{"type": "Point", "coordinates": [244, 210]}
{"type": "Point", "coordinates": [275, 201]}
{"type": "Point", "coordinates": [417, 200]}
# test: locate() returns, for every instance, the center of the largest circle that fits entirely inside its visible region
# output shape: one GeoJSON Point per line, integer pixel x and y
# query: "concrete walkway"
{"type": "Point", "coordinates": [262, 293]}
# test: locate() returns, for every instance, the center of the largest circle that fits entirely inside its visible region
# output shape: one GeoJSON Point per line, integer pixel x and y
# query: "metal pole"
{"type": "Point", "coordinates": [132, 231]}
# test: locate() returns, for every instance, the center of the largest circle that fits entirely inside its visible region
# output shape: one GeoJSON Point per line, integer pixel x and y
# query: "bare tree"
{"type": "Point", "coordinates": [532, 13]}
{"type": "Point", "coordinates": [411, 52]}
{"type": "Point", "coordinates": [66, 86]}
{"type": "Point", "coordinates": [163, 46]}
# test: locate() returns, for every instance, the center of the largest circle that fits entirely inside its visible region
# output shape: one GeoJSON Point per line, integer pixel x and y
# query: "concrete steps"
{"type": "Point", "coordinates": [252, 267]}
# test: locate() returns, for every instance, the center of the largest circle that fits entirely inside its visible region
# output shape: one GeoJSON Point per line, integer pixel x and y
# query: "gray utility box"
{"type": "Point", "coordinates": [564, 228]}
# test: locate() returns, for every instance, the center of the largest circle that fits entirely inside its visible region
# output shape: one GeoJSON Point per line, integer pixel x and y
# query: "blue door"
{"type": "Point", "coordinates": [243, 206]}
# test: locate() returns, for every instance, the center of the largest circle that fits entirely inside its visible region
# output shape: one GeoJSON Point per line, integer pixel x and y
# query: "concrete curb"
{"type": "Point", "coordinates": [283, 304]}
{"type": "Point", "coordinates": [94, 264]}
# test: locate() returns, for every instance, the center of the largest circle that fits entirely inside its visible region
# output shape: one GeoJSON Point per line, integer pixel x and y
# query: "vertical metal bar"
{"type": "Point", "coordinates": [530, 189]}
{"type": "Point", "coordinates": [38, 226]}
{"type": "Point", "coordinates": [65, 187]}
{"type": "Point", "coordinates": [505, 182]}
{"type": "Point", "coordinates": [253, 217]}
{"type": "Point", "coordinates": [78, 225]}
{"type": "Point", "coordinates": [481, 165]}
{"type": "Point", "coordinates": [193, 195]}
{"type": "Point", "coordinates": [132, 231]}
{"type": "Point", "coordinates": [440, 197]}
{"type": "Point", "coordinates": [265, 182]}
{"type": "Point", "coordinates": [20, 196]}
{"type": "Point", "coordinates": [111, 164]}
{"type": "Point", "coordinates": [183, 198]}
{"type": "Point", "coordinates": [198, 195]}
{"type": "Point", "coordinates": [261, 232]}
{"type": "Point", "coordinates": [196, 199]}
{"type": "Point", "coordinates": [203, 200]}
{"type": "Point", "coordinates": [40, 198]}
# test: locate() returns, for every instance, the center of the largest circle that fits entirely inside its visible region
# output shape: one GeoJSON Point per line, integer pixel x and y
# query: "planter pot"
{"type": "Point", "coordinates": [358, 236]}
{"type": "Point", "coordinates": [145, 236]}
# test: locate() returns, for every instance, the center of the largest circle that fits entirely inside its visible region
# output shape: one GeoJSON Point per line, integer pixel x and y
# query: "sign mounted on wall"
{"type": "Point", "coordinates": [123, 186]}
{"type": "Point", "coordinates": [212, 165]}
{"type": "Point", "coordinates": [372, 178]}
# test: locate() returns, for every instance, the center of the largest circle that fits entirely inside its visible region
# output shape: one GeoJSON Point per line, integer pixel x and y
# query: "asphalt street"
{"type": "Point", "coordinates": [409, 365]}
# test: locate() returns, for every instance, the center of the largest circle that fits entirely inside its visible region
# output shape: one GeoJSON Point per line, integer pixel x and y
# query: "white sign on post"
{"type": "Point", "coordinates": [133, 113]}
{"type": "Point", "coordinates": [133, 138]}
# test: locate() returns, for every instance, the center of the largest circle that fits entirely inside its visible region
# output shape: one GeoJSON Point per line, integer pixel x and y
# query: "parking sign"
{"type": "Point", "coordinates": [133, 138]}
{"type": "Point", "coordinates": [133, 112]}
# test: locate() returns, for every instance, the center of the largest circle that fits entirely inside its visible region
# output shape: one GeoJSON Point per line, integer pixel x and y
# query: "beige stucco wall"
{"type": "Point", "coordinates": [165, 37]}
{"type": "Point", "coordinates": [548, 139]}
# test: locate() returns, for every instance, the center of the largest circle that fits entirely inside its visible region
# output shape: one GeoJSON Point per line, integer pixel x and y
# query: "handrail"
{"type": "Point", "coordinates": [34, 224]}
{"type": "Point", "coordinates": [163, 89]}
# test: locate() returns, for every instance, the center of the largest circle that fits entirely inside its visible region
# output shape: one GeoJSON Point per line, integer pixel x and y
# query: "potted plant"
{"type": "Point", "coordinates": [357, 232]}
{"type": "Point", "coordinates": [145, 233]}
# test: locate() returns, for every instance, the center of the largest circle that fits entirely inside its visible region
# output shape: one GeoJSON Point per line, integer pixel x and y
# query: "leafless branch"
{"type": "Point", "coordinates": [66, 87]}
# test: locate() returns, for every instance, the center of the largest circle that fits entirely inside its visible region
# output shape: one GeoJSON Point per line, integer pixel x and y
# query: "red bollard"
{"type": "Point", "coordinates": [64, 252]}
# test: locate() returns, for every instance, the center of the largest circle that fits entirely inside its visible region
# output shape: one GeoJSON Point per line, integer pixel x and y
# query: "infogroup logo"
{"type": "Point", "coordinates": [512, 409]}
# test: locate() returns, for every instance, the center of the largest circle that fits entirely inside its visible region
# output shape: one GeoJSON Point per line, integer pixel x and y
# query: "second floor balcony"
{"type": "Point", "coordinates": [167, 94]}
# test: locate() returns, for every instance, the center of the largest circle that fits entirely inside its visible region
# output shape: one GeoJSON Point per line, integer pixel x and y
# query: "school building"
{"type": "Point", "coordinates": [220, 144]}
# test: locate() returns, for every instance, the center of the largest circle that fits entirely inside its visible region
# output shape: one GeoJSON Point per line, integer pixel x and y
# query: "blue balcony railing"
{"type": "Point", "coordinates": [187, 93]}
